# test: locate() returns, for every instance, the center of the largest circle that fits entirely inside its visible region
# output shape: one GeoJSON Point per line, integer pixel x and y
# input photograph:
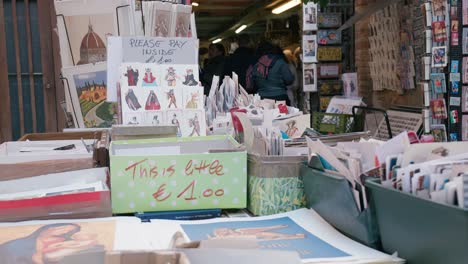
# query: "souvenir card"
{"type": "Point", "coordinates": [329, 20]}
{"type": "Point", "coordinates": [162, 20]}
{"type": "Point", "coordinates": [173, 97]}
{"type": "Point", "coordinates": [329, 54]}
{"type": "Point", "coordinates": [439, 7]}
{"type": "Point", "coordinates": [439, 56]}
{"type": "Point", "coordinates": [175, 118]}
{"type": "Point", "coordinates": [130, 75]}
{"type": "Point", "coordinates": [329, 37]}
{"type": "Point", "coordinates": [309, 44]}
{"type": "Point", "coordinates": [439, 31]}
{"type": "Point", "coordinates": [465, 127]}
{"type": "Point", "coordinates": [171, 76]}
{"type": "Point", "coordinates": [86, 96]}
{"type": "Point", "coordinates": [194, 124]}
{"type": "Point", "coordinates": [133, 119]}
{"type": "Point", "coordinates": [155, 99]}
{"type": "Point", "coordinates": [189, 75]}
{"type": "Point", "coordinates": [438, 83]}
{"type": "Point", "coordinates": [193, 97]}
{"type": "Point", "coordinates": [325, 102]}
{"type": "Point", "coordinates": [310, 77]}
{"type": "Point", "coordinates": [329, 71]}
{"type": "Point", "coordinates": [155, 118]}
{"type": "Point", "coordinates": [330, 87]}
{"type": "Point", "coordinates": [465, 70]}
{"type": "Point", "coordinates": [150, 75]}
{"type": "Point", "coordinates": [439, 132]}
{"type": "Point", "coordinates": [132, 99]}
{"type": "Point", "coordinates": [438, 108]}
{"type": "Point", "coordinates": [454, 10]}
{"type": "Point", "coordinates": [464, 99]}
{"type": "Point", "coordinates": [350, 84]}
{"type": "Point", "coordinates": [454, 117]}
{"type": "Point", "coordinates": [182, 15]}
{"type": "Point", "coordinates": [455, 101]}
{"type": "Point", "coordinates": [465, 41]}
{"type": "Point", "coordinates": [455, 88]}
{"type": "Point", "coordinates": [465, 12]}
{"type": "Point", "coordinates": [453, 137]}
{"type": "Point", "coordinates": [454, 66]}
{"type": "Point", "coordinates": [454, 32]}
{"type": "Point", "coordinates": [309, 16]}
{"type": "Point", "coordinates": [455, 77]}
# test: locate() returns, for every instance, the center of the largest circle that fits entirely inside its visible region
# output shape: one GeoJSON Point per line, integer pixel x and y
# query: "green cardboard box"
{"type": "Point", "coordinates": [178, 174]}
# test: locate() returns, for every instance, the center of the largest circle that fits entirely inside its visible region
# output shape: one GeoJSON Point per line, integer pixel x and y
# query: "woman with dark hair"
{"type": "Point", "coordinates": [269, 76]}
{"type": "Point", "coordinates": [48, 244]}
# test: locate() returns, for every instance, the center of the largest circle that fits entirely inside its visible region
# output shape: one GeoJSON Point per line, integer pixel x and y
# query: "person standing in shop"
{"type": "Point", "coordinates": [270, 75]}
{"type": "Point", "coordinates": [214, 65]}
{"type": "Point", "coordinates": [240, 60]}
{"type": "Point", "coordinates": [293, 87]}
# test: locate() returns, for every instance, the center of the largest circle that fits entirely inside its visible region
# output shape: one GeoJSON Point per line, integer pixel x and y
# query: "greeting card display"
{"type": "Point", "coordinates": [329, 54]}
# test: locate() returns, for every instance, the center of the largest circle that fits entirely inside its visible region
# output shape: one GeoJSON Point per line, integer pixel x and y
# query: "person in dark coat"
{"type": "Point", "coordinates": [241, 59]}
{"type": "Point", "coordinates": [214, 66]}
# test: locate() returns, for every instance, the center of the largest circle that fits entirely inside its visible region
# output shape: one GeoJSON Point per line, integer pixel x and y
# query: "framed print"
{"type": "Point", "coordinates": [330, 87]}
{"type": "Point", "coordinates": [329, 54]}
{"type": "Point", "coordinates": [309, 44]}
{"type": "Point", "coordinates": [464, 99]}
{"type": "Point", "coordinates": [329, 37]}
{"type": "Point", "coordinates": [310, 77]}
{"type": "Point", "coordinates": [329, 20]}
{"type": "Point", "coordinates": [87, 94]}
{"type": "Point", "coordinates": [329, 71]}
{"type": "Point", "coordinates": [464, 127]}
{"type": "Point", "coordinates": [439, 31]}
{"type": "Point", "coordinates": [309, 12]}
{"type": "Point", "coordinates": [439, 56]}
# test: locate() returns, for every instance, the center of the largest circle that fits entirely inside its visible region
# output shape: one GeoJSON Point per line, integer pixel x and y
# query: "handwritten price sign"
{"type": "Point", "coordinates": [178, 182]}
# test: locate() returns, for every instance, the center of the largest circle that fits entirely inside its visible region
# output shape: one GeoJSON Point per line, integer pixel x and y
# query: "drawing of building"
{"type": "Point", "coordinates": [92, 48]}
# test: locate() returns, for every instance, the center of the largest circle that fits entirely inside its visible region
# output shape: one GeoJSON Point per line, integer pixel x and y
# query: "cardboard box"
{"type": "Point", "coordinates": [126, 132]}
{"type": "Point", "coordinates": [178, 174]}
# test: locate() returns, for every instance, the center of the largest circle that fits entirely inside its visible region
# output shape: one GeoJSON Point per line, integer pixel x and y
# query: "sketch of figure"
{"type": "Point", "coordinates": [175, 122]}
{"type": "Point", "coordinates": [194, 123]}
{"type": "Point", "coordinates": [149, 79]}
{"type": "Point", "coordinates": [152, 103]}
{"type": "Point", "coordinates": [132, 76]}
{"type": "Point", "coordinates": [292, 129]}
{"type": "Point", "coordinates": [193, 102]}
{"type": "Point", "coordinates": [260, 233]}
{"type": "Point", "coordinates": [181, 27]}
{"type": "Point", "coordinates": [133, 121]}
{"type": "Point", "coordinates": [171, 77]}
{"type": "Point", "coordinates": [172, 98]}
{"type": "Point", "coordinates": [161, 27]}
{"type": "Point", "coordinates": [190, 78]}
{"type": "Point", "coordinates": [155, 121]}
{"type": "Point", "coordinates": [132, 100]}
{"type": "Point", "coordinates": [49, 244]}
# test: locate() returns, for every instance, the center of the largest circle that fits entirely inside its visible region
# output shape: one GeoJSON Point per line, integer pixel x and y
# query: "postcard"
{"type": "Point", "coordinates": [350, 84]}
{"type": "Point", "coordinates": [310, 77]}
{"type": "Point", "coordinates": [189, 75]}
{"type": "Point", "coordinates": [194, 124]}
{"type": "Point", "coordinates": [465, 127]}
{"type": "Point", "coordinates": [193, 97]}
{"type": "Point", "coordinates": [454, 33]}
{"type": "Point", "coordinates": [329, 54]}
{"type": "Point", "coordinates": [155, 99]}
{"type": "Point", "coordinates": [174, 98]}
{"type": "Point", "coordinates": [172, 76]}
{"type": "Point", "coordinates": [465, 12]}
{"type": "Point", "coordinates": [329, 71]}
{"type": "Point", "coordinates": [438, 83]}
{"type": "Point", "coordinates": [439, 31]}
{"type": "Point", "coordinates": [439, 132]}
{"type": "Point", "coordinates": [464, 99]}
{"type": "Point", "coordinates": [454, 117]}
{"type": "Point", "coordinates": [309, 16]}
{"type": "Point", "coordinates": [329, 37]}
{"type": "Point", "coordinates": [439, 56]}
{"type": "Point", "coordinates": [175, 118]}
{"type": "Point", "coordinates": [131, 100]}
{"type": "Point", "coordinates": [294, 127]}
{"type": "Point", "coordinates": [155, 118]}
{"type": "Point", "coordinates": [309, 44]}
{"type": "Point", "coordinates": [465, 70]}
{"type": "Point", "coordinates": [330, 87]}
{"type": "Point", "coordinates": [439, 7]}
{"type": "Point", "coordinates": [438, 108]}
{"type": "Point", "coordinates": [87, 88]}
{"type": "Point", "coordinates": [329, 20]}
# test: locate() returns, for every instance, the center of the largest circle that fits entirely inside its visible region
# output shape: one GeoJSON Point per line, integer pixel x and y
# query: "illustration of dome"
{"type": "Point", "coordinates": [92, 48]}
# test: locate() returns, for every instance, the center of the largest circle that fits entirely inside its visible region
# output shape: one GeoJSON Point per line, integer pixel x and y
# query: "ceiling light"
{"type": "Point", "coordinates": [239, 30]}
{"type": "Point", "coordinates": [280, 9]}
{"type": "Point", "coordinates": [216, 41]}
{"type": "Point", "coordinates": [195, 4]}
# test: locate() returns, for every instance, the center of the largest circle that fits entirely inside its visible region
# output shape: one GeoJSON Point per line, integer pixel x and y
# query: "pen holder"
{"type": "Point", "coordinates": [332, 197]}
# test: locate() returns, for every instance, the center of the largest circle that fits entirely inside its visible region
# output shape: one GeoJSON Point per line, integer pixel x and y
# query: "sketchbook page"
{"type": "Point", "coordinates": [303, 231]}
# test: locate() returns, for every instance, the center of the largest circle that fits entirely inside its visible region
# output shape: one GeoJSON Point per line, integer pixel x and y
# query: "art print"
{"type": "Point", "coordinates": [153, 101]}
{"type": "Point", "coordinates": [454, 116]}
{"type": "Point", "coordinates": [150, 76]}
{"type": "Point", "coordinates": [131, 100]}
{"type": "Point", "coordinates": [131, 75]}
{"type": "Point", "coordinates": [182, 20]}
{"type": "Point", "coordinates": [189, 75]}
{"type": "Point", "coordinates": [310, 77]}
{"type": "Point", "coordinates": [329, 71]}
{"type": "Point", "coordinates": [83, 31]}
{"type": "Point", "coordinates": [133, 119]}
{"type": "Point", "coordinates": [172, 77]}
{"type": "Point", "coordinates": [281, 233]}
{"type": "Point", "coordinates": [439, 7]}
{"type": "Point", "coordinates": [438, 108]}
{"type": "Point", "coordinates": [329, 54]}
{"type": "Point", "coordinates": [330, 87]}
{"type": "Point", "coordinates": [453, 11]}
{"type": "Point", "coordinates": [155, 118]}
{"type": "Point", "coordinates": [438, 83]}
{"type": "Point", "coordinates": [439, 132]}
{"type": "Point", "coordinates": [53, 243]}
{"type": "Point", "coordinates": [173, 98]}
{"type": "Point", "coordinates": [350, 84]}
{"type": "Point", "coordinates": [464, 99]}
{"type": "Point", "coordinates": [193, 98]}
{"type": "Point", "coordinates": [175, 118]}
{"type": "Point", "coordinates": [439, 31]}
{"type": "Point", "coordinates": [455, 101]}
{"type": "Point", "coordinates": [309, 44]}
{"type": "Point", "coordinates": [465, 69]}
{"type": "Point", "coordinates": [87, 96]}
{"type": "Point", "coordinates": [329, 37]}
{"type": "Point", "coordinates": [454, 32]}
{"type": "Point", "coordinates": [465, 12]}
{"type": "Point", "coordinates": [329, 20]}
{"type": "Point", "coordinates": [310, 16]}
{"type": "Point", "coordinates": [465, 127]}
{"type": "Point", "coordinates": [194, 123]}
{"type": "Point", "coordinates": [162, 19]}
{"type": "Point", "coordinates": [439, 56]}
